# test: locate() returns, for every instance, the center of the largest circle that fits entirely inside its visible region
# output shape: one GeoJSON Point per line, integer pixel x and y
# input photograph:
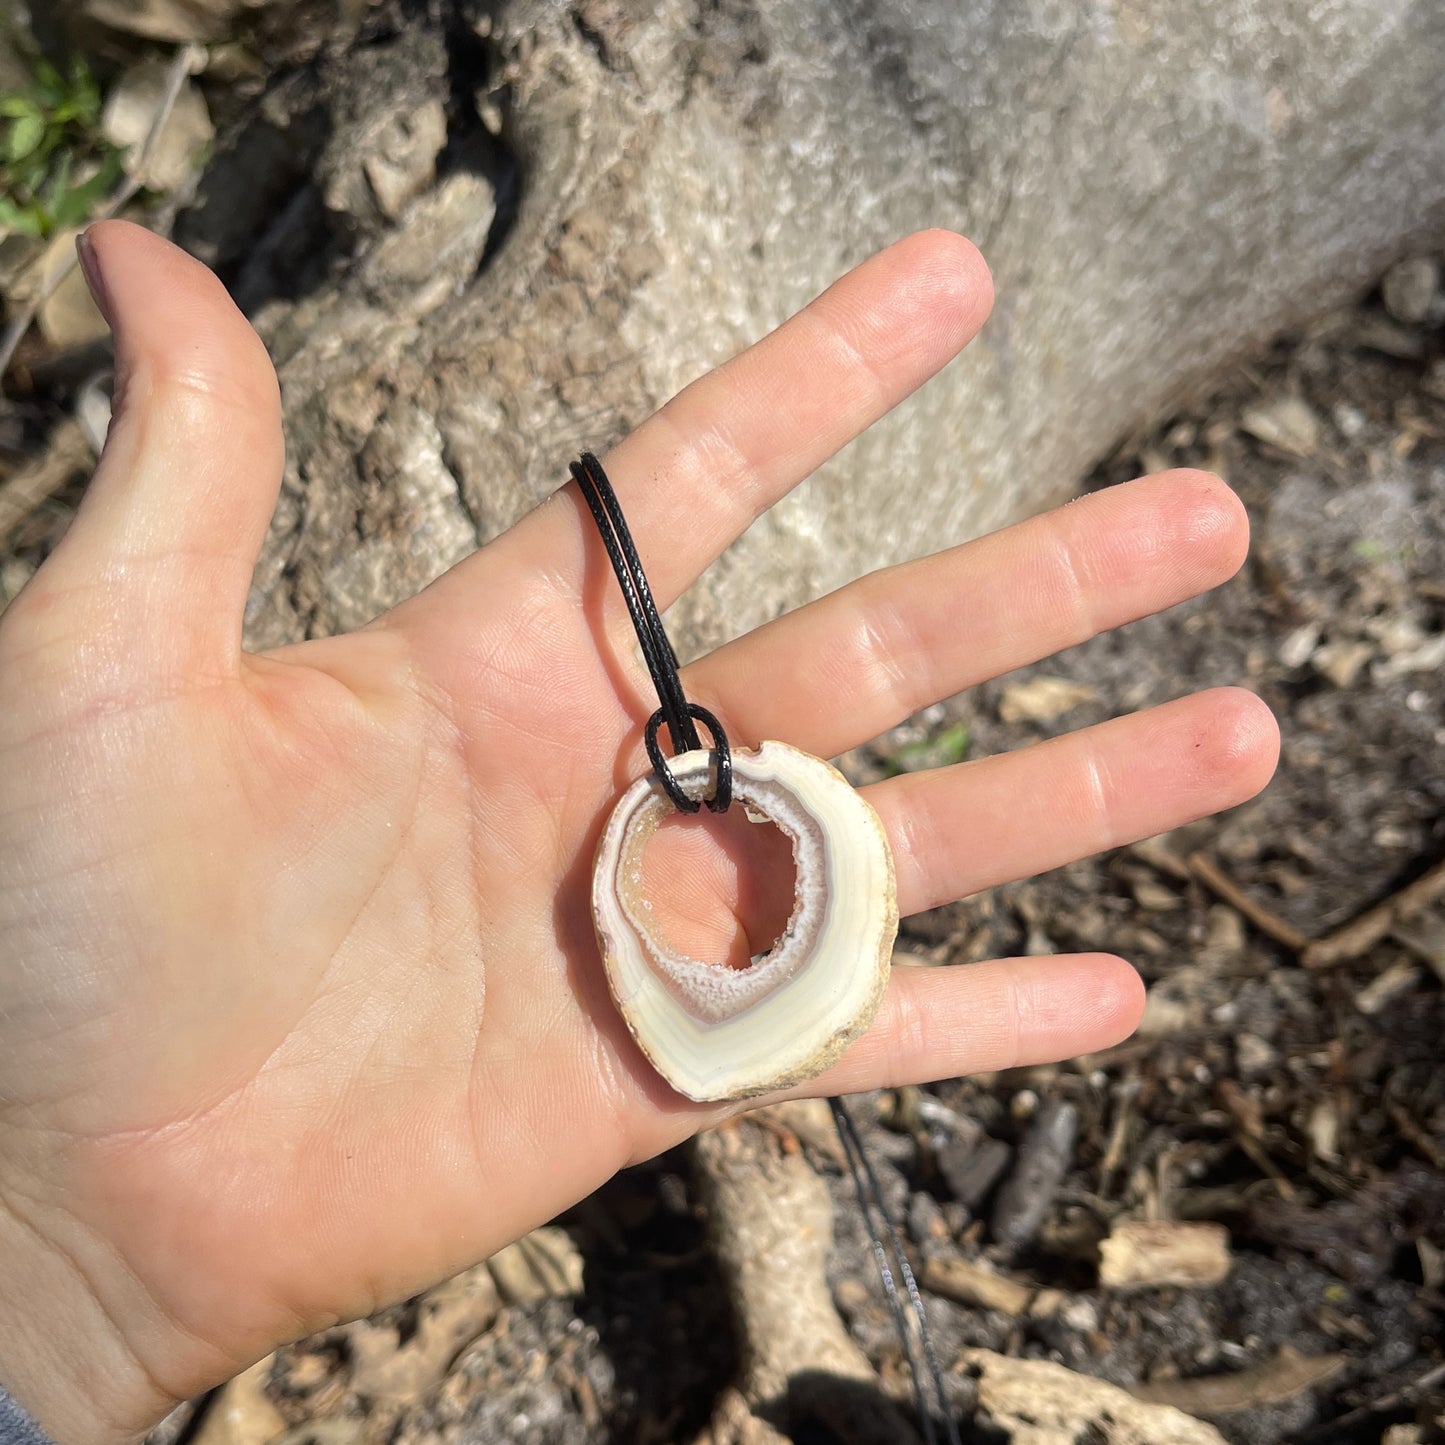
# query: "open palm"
{"type": "Point", "coordinates": [302, 1008]}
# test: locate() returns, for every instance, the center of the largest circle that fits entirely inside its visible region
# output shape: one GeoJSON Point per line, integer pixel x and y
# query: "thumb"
{"type": "Point", "coordinates": [164, 542]}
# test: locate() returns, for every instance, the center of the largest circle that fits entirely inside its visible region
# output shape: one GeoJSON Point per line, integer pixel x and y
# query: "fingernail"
{"type": "Point", "coordinates": [90, 265]}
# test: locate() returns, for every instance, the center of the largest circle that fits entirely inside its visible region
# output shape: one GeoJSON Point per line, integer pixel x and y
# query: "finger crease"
{"type": "Point", "coordinates": [1075, 598]}
{"type": "Point", "coordinates": [876, 638]}
{"type": "Point", "coordinates": [717, 465]}
{"type": "Point", "coordinates": [1013, 1014]}
{"type": "Point", "coordinates": [861, 363]}
{"type": "Point", "coordinates": [909, 1037]}
{"type": "Point", "coordinates": [1098, 821]}
{"type": "Point", "coordinates": [914, 834]}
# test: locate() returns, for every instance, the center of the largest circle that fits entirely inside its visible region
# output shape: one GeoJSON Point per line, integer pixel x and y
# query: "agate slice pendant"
{"type": "Point", "coordinates": [719, 1033]}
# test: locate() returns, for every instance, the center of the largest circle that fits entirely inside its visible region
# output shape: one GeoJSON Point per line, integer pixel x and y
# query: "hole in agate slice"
{"type": "Point", "coordinates": [718, 888]}
{"type": "Point", "coordinates": [719, 1033]}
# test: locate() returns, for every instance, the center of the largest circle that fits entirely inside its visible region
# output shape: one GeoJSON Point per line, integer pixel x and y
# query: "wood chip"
{"type": "Point", "coordinates": [1180, 1002]}
{"type": "Point", "coordinates": [1041, 1403]}
{"type": "Point", "coordinates": [540, 1265]}
{"type": "Point", "coordinates": [1148, 1254]}
{"type": "Point", "coordinates": [971, 1283]}
{"type": "Point", "coordinates": [1323, 1129]}
{"type": "Point", "coordinates": [1154, 897]}
{"type": "Point", "coordinates": [1295, 650]}
{"type": "Point", "coordinates": [1432, 1263]}
{"type": "Point", "coordinates": [451, 1316]}
{"type": "Point", "coordinates": [242, 1413]}
{"type": "Point", "coordinates": [1400, 977]}
{"type": "Point", "coordinates": [1403, 1435]}
{"type": "Point", "coordinates": [1042, 699]}
{"type": "Point", "coordinates": [811, 1122]}
{"type": "Point", "coordinates": [1342, 662]}
{"type": "Point", "coordinates": [1288, 1374]}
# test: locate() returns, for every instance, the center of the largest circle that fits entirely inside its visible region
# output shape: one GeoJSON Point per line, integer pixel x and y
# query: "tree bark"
{"type": "Point", "coordinates": [1159, 188]}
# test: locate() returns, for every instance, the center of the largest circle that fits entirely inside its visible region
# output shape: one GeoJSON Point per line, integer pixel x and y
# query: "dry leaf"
{"type": "Point", "coordinates": [1288, 1374]}
{"type": "Point", "coordinates": [130, 112]}
{"type": "Point", "coordinates": [1287, 423]}
{"type": "Point", "coordinates": [1042, 699]}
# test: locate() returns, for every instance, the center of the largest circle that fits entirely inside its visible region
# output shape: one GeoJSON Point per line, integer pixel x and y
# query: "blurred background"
{"type": "Point", "coordinates": [479, 237]}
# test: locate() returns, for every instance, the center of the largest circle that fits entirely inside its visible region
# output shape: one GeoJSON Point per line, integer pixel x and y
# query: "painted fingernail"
{"type": "Point", "coordinates": [90, 265]}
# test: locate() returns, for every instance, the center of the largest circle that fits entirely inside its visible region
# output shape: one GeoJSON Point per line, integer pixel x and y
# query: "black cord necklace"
{"type": "Point", "coordinates": [673, 708]}
{"type": "Point", "coordinates": [679, 715]}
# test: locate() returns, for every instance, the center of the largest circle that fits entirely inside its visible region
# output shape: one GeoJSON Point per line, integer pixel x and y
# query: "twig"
{"type": "Point", "coordinates": [1346, 943]}
{"type": "Point", "coordinates": [1249, 1134]}
{"type": "Point", "coordinates": [1124, 1096]}
{"type": "Point", "coordinates": [1268, 923]}
{"type": "Point", "coordinates": [68, 453]}
{"type": "Point", "coordinates": [1424, 1144]}
{"type": "Point", "coordinates": [1375, 923]}
{"type": "Point", "coordinates": [188, 60]}
{"type": "Point", "coordinates": [1405, 1395]}
{"type": "Point", "coordinates": [1256, 1152]}
{"type": "Point", "coordinates": [1162, 858]}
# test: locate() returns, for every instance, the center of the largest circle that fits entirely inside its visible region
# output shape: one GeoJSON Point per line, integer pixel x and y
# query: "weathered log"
{"type": "Point", "coordinates": [1157, 187]}
{"type": "Point", "coordinates": [772, 1225]}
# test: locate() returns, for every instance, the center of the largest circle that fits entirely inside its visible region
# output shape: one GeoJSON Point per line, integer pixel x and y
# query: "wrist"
{"type": "Point", "coordinates": [64, 1357]}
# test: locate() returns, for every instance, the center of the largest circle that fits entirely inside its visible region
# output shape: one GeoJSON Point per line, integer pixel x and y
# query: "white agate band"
{"type": "Point", "coordinates": [718, 1033]}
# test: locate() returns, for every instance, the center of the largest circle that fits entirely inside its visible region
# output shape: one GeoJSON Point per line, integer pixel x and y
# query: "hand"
{"type": "Point", "coordinates": [302, 1008]}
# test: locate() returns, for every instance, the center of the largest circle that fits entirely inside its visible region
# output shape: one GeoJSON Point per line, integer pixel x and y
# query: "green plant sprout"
{"type": "Point", "coordinates": [54, 164]}
{"type": "Point", "coordinates": [938, 750]}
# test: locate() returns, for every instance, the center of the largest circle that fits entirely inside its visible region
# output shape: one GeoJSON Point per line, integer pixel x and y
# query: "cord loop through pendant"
{"type": "Point", "coordinates": [657, 653]}
{"type": "Point", "coordinates": [722, 793]}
